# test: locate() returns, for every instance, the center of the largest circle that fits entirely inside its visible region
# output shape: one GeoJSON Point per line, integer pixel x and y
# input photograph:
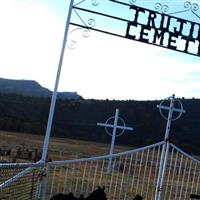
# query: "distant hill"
{"type": "Point", "coordinates": [78, 119]}
{"type": "Point", "coordinates": [31, 88]}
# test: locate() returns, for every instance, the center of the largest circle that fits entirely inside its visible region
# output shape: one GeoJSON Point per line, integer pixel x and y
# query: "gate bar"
{"type": "Point", "coordinates": [54, 96]}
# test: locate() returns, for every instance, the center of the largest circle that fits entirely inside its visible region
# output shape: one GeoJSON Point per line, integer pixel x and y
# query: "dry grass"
{"type": "Point", "coordinates": [59, 148]}
{"type": "Point", "coordinates": [142, 178]}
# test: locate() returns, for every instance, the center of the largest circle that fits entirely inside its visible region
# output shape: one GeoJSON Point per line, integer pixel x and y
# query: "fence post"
{"type": "Point", "coordinates": [54, 96]}
{"type": "Point", "coordinates": [45, 183]}
{"type": "Point", "coordinates": [162, 169]}
{"type": "Point", "coordinates": [165, 150]}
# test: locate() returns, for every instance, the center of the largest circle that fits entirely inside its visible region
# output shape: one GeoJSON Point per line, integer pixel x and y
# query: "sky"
{"type": "Point", "coordinates": [100, 67]}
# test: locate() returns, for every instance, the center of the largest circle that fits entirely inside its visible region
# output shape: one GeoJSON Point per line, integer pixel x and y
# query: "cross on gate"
{"type": "Point", "coordinates": [165, 150]}
{"type": "Point", "coordinates": [115, 126]}
{"type": "Point", "coordinates": [171, 109]}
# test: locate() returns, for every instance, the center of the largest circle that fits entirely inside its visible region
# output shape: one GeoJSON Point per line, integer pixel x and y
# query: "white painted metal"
{"type": "Point", "coordinates": [165, 149]}
{"type": "Point", "coordinates": [54, 96]}
{"type": "Point", "coordinates": [179, 110]}
{"type": "Point", "coordinates": [183, 177]}
{"type": "Point", "coordinates": [115, 126]}
{"type": "Point", "coordinates": [144, 174]}
{"type": "Point", "coordinates": [185, 154]}
{"type": "Point", "coordinates": [101, 174]}
{"type": "Point", "coordinates": [111, 126]}
{"type": "Point", "coordinates": [169, 176]}
{"type": "Point", "coordinates": [135, 171]}
{"type": "Point", "coordinates": [156, 170]}
{"type": "Point", "coordinates": [53, 179]}
{"type": "Point", "coordinates": [113, 138]}
{"type": "Point", "coordinates": [65, 180]}
{"type": "Point", "coordinates": [27, 169]}
{"type": "Point", "coordinates": [149, 176]}
{"type": "Point", "coordinates": [197, 183]}
{"type": "Point", "coordinates": [188, 176]}
{"type": "Point", "coordinates": [123, 175]}
{"type": "Point", "coordinates": [138, 174]}
{"type": "Point", "coordinates": [193, 179]}
{"type": "Point", "coordinates": [63, 162]}
{"type": "Point", "coordinates": [173, 175]}
{"type": "Point", "coordinates": [111, 180]}
{"type": "Point", "coordinates": [128, 175]}
{"type": "Point", "coordinates": [94, 180]}
{"type": "Point", "coordinates": [125, 178]}
{"type": "Point", "coordinates": [179, 176]}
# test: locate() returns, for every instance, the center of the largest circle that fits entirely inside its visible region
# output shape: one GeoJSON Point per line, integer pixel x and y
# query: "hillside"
{"type": "Point", "coordinates": [78, 119]}
{"type": "Point", "coordinates": [31, 88]}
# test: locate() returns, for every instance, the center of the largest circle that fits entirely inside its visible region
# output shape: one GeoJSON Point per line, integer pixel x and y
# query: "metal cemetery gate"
{"type": "Point", "coordinates": [133, 172]}
{"type": "Point", "coordinates": [159, 171]}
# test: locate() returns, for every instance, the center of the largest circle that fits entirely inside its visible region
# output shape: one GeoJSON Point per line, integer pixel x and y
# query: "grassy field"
{"type": "Point", "coordinates": [59, 148]}
{"type": "Point", "coordinates": [138, 174]}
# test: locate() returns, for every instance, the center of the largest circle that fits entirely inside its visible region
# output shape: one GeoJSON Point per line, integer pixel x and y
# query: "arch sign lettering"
{"type": "Point", "coordinates": [141, 24]}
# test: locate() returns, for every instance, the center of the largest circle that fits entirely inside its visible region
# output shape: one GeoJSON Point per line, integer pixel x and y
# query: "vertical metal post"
{"type": "Point", "coordinates": [113, 140]}
{"type": "Point", "coordinates": [165, 151]}
{"type": "Point", "coordinates": [45, 183]}
{"type": "Point", "coordinates": [38, 189]}
{"type": "Point", "coordinates": [54, 96]}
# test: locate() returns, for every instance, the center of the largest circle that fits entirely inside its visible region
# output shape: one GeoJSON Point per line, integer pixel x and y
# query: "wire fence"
{"type": "Point", "coordinates": [20, 181]}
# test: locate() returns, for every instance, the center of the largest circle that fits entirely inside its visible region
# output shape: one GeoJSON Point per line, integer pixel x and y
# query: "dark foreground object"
{"type": "Point", "coordinates": [194, 196]}
{"type": "Point", "coordinates": [98, 194]}
{"type": "Point", "coordinates": [138, 197]}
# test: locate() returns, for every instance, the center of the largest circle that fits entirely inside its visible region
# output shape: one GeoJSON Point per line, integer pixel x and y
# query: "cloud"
{"type": "Point", "coordinates": [119, 68]}
{"type": "Point", "coordinates": [30, 41]}
{"type": "Point", "coordinates": [101, 66]}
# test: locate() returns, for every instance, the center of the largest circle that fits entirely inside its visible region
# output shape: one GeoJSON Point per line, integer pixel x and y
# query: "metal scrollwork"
{"type": "Point", "coordinates": [132, 2]}
{"type": "Point", "coordinates": [72, 44]}
{"type": "Point", "coordinates": [187, 5]}
{"type": "Point", "coordinates": [86, 33]}
{"type": "Point", "coordinates": [193, 7]}
{"type": "Point", "coordinates": [90, 23]}
{"type": "Point", "coordinates": [161, 8]}
{"type": "Point", "coordinates": [95, 2]}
